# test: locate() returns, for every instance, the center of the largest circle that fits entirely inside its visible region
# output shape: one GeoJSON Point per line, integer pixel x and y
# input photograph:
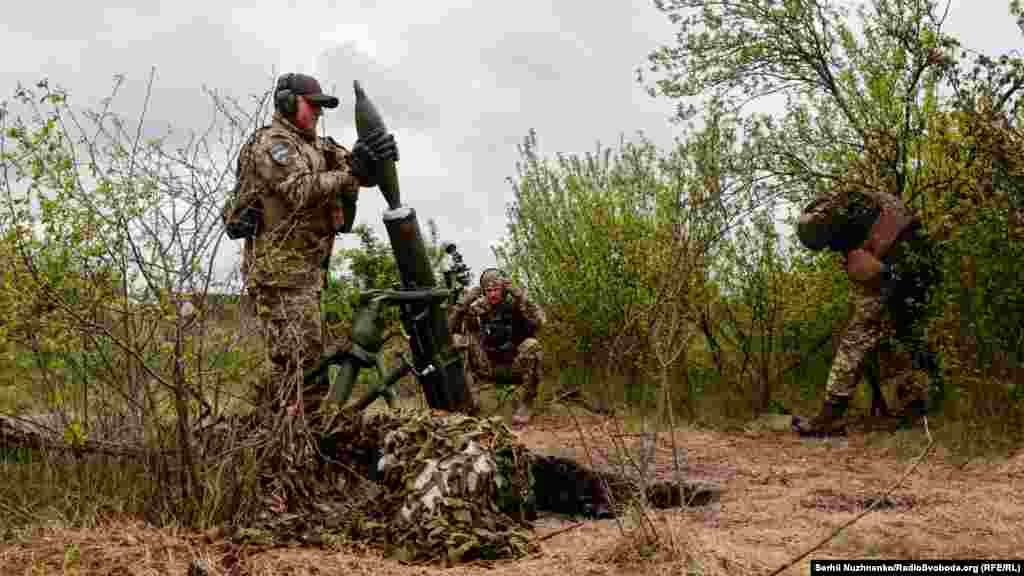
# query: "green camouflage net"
{"type": "Point", "coordinates": [425, 486]}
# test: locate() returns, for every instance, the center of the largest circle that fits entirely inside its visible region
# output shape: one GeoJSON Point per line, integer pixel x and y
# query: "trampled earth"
{"type": "Point", "coordinates": [780, 496]}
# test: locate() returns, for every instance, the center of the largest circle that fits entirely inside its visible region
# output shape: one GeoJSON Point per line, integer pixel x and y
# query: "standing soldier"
{"type": "Point", "coordinates": [892, 265]}
{"type": "Point", "coordinates": [500, 326]}
{"type": "Point", "coordinates": [296, 192]}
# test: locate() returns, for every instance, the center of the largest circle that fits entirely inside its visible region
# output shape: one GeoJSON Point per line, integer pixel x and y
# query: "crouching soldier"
{"type": "Point", "coordinates": [892, 266]}
{"type": "Point", "coordinates": [499, 325]}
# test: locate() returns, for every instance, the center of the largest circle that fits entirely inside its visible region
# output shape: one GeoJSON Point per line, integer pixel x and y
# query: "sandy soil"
{"type": "Point", "coordinates": [780, 496]}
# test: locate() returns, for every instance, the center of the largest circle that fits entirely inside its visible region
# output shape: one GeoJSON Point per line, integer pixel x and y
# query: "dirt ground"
{"type": "Point", "coordinates": [780, 496]}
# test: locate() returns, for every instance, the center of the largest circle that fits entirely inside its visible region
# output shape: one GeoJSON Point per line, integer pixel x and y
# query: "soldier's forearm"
{"type": "Point", "coordinates": [303, 190]}
{"type": "Point", "coordinates": [348, 192]}
{"type": "Point", "coordinates": [309, 189]}
{"type": "Point", "coordinates": [862, 266]}
{"type": "Point", "coordinates": [455, 318]}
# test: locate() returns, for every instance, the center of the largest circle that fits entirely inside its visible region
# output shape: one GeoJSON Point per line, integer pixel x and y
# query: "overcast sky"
{"type": "Point", "coordinates": [460, 82]}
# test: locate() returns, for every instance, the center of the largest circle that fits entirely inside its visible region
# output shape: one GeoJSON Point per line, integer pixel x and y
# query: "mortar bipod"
{"type": "Point", "coordinates": [367, 340]}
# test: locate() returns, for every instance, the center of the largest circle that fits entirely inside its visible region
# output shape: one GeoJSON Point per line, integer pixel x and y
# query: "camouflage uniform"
{"type": "Point", "coordinates": [302, 182]}
{"type": "Point", "coordinates": [501, 340]}
{"type": "Point", "coordinates": [888, 307]}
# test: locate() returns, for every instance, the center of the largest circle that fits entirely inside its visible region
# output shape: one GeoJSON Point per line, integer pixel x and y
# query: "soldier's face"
{"type": "Point", "coordinates": [307, 115]}
{"type": "Point", "coordinates": [495, 294]}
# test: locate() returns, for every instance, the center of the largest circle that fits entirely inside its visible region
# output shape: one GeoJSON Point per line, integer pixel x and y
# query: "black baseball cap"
{"type": "Point", "coordinates": [307, 87]}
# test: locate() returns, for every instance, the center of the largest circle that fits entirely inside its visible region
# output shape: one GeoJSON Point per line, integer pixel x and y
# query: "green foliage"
{"type": "Point", "coordinates": [618, 245]}
{"type": "Point", "coordinates": [577, 232]}
{"type": "Point", "coordinates": [370, 266]}
{"type": "Point", "coordinates": [574, 229]}
{"type": "Point", "coordinates": [852, 91]}
{"type": "Point", "coordinates": [888, 102]}
{"type": "Point", "coordinates": [106, 250]}
{"type": "Point", "coordinates": [765, 330]}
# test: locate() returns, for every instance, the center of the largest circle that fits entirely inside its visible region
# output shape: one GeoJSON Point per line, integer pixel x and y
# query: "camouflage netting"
{"type": "Point", "coordinates": [424, 486]}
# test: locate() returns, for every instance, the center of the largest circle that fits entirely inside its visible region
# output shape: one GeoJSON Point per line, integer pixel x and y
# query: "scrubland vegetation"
{"type": "Point", "coordinates": [673, 286]}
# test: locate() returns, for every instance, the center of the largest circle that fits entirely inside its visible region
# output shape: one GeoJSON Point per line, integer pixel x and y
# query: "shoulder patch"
{"type": "Point", "coordinates": [281, 152]}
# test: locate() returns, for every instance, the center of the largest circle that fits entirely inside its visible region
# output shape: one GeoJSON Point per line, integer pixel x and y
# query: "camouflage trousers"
{"type": "Point", "coordinates": [522, 365]}
{"type": "Point", "coordinates": [293, 336]}
{"type": "Point", "coordinates": [890, 322]}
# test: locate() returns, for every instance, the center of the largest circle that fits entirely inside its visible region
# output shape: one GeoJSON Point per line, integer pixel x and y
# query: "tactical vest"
{"type": "Point", "coordinates": [276, 212]}
{"type": "Point", "coordinates": [292, 246]}
{"type": "Point", "coordinates": [852, 226]}
{"type": "Point", "coordinates": [503, 332]}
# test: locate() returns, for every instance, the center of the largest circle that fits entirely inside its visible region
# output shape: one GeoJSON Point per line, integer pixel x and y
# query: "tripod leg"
{"type": "Point", "coordinates": [343, 384]}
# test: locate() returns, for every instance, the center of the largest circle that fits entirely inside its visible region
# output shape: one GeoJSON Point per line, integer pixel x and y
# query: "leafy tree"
{"type": "Point", "coordinates": [851, 91]}
{"type": "Point", "coordinates": [616, 244]}
{"type": "Point", "coordinates": [875, 96]}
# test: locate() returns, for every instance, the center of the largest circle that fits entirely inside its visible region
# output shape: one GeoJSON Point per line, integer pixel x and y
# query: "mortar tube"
{"type": "Point", "coordinates": [408, 248]}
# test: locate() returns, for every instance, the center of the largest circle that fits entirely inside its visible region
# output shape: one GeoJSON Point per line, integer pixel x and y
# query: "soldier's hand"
{"type": "Point", "coordinates": [862, 266]}
{"type": "Point", "coordinates": [480, 306]}
{"type": "Point", "coordinates": [364, 164]}
{"type": "Point", "coordinates": [516, 294]}
{"type": "Point", "coordinates": [383, 146]}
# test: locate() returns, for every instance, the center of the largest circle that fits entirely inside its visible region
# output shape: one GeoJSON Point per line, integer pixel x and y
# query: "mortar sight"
{"type": "Point", "coordinates": [459, 272]}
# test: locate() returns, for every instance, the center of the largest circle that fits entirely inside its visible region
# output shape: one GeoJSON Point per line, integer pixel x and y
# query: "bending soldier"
{"type": "Point", "coordinates": [499, 325]}
{"type": "Point", "coordinates": [300, 191]}
{"type": "Point", "coordinates": [892, 265]}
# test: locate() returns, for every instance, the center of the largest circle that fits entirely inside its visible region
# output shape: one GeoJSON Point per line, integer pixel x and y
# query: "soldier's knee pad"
{"type": "Point", "coordinates": [530, 349]}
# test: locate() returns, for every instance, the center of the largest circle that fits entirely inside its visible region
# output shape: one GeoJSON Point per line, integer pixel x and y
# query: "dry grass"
{"type": "Point", "coordinates": [780, 495]}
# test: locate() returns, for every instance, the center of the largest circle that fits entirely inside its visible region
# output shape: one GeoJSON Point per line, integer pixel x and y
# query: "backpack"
{"type": "Point", "coordinates": [242, 210]}
{"type": "Point", "coordinates": [852, 225]}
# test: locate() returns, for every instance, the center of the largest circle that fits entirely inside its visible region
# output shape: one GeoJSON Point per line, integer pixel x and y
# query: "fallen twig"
{"type": "Point", "coordinates": [14, 510]}
{"type": "Point", "coordinates": [576, 397]}
{"type": "Point", "coordinates": [557, 532]}
{"type": "Point", "coordinates": [884, 496]}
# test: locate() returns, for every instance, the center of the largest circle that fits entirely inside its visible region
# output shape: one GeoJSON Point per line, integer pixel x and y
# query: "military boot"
{"type": "Point", "coordinates": [528, 375]}
{"type": "Point", "coordinates": [524, 411]}
{"type": "Point", "coordinates": [828, 423]}
{"type": "Point", "coordinates": [911, 411]}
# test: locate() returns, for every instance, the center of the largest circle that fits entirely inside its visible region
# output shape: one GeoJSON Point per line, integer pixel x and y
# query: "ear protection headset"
{"type": "Point", "coordinates": [284, 99]}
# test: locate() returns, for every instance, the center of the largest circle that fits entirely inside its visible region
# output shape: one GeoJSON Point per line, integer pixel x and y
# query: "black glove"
{"type": "Point", "coordinates": [383, 145]}
{"type": "Point", "coordinates": [364, 164]}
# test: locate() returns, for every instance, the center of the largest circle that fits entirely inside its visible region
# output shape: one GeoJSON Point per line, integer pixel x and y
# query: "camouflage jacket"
{"type": "Point", "coordinates": [500, 328]}
{"type": "Point", "coordinates": [301, 182]}
{"type": "Point", "coordinates": [866, 220]}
